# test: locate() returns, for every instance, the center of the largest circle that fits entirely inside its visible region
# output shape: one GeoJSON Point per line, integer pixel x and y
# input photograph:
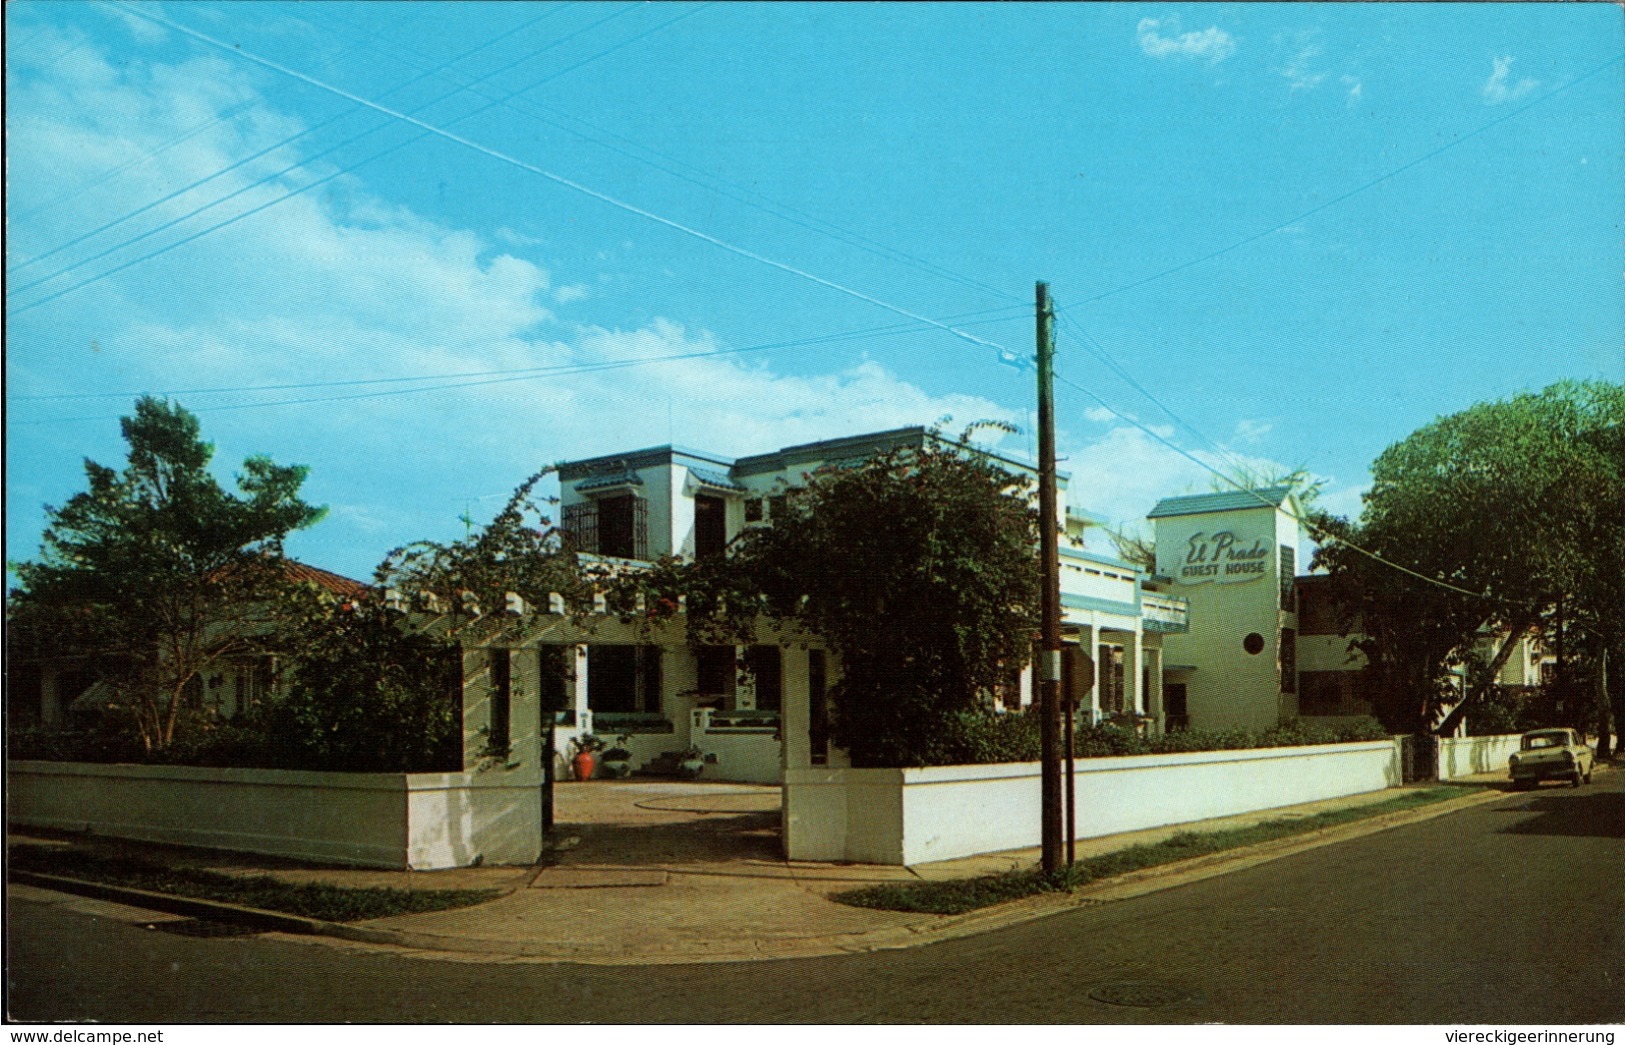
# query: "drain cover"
{"type": "Point", "coordinates": [1140, 994]}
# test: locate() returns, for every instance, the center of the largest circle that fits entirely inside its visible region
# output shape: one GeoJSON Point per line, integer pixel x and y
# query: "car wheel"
{"type": "Point", "coordinates": [1577, 778]}
{"type": "Point", "coordinates": [1588, 774]}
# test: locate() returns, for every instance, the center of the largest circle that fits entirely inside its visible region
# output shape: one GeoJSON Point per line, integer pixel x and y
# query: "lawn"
{"type": "Point", "coordinates": [330, 903]}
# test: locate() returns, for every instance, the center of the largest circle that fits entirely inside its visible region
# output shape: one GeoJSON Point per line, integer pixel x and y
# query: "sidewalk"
{"type": "Point", "coordinates": [665, 872]}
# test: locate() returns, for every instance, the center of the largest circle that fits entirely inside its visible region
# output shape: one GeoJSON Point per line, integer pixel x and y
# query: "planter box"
{"type": "Point", "coordinates": [910, 816]}
{"type": "Point", "coordinates": [420, 821]}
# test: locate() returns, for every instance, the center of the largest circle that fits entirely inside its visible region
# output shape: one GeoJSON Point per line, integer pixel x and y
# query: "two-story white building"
{"type": "Point", "coordinates": [644, 504]}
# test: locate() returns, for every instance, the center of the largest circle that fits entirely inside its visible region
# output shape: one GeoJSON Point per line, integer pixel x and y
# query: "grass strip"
{"type": "Point", "coordinates": [331, 903]}
{"type": "Point", "coordinates": [968, 894]}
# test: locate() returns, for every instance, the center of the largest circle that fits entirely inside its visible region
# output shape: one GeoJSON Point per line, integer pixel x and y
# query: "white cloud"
{"type": "Point", "coordinates": [1248, 431]}
{"type": "Point", "coordinates": [343, 286]}
{"type": "Point", "coordinates": [1161, 38]}
{"type": "Point", "coordinates": [1124, 473]}
{"type": "Point", "coordinates": [1498, 89]}
{"type": "Point", "coordinates": [1356, 89]}
{"type": "Point", "coordinates": [1100, 415]}
{"type": "Point", "coordinates": [1299, 72]}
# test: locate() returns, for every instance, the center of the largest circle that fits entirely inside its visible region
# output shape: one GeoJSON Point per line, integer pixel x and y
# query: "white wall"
{"type": "Point", "coordinates": [421, 821]}
{"type": "Point", "coordinates": [910, 816]}
{"type": "Point", "coordinates": [1465, 756]}
{"type": "Point", "coordinates": [744, 756]}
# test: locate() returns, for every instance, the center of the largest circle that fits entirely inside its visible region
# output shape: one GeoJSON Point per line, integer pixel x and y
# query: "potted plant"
{"type": "Point", "coordinates": [617, 761]}
{"type": "Point", "coordinates": [585, 748]}
{"type": "Point", "coordinates": [690, 763]}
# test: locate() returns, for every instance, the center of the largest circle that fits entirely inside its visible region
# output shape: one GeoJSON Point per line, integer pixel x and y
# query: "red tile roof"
{"type": "Point", "coordinates": [333, 582]}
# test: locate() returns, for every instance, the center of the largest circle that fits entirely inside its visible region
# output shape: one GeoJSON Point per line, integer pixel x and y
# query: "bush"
{"type": "Point", "coordinates": [972, 738]}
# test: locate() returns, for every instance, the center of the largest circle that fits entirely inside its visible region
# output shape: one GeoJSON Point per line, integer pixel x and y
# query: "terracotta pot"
{"type": "Point", "coordinates": [583, 765]}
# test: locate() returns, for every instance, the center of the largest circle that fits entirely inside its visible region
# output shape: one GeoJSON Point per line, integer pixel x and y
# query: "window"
{"type": "Point", "coordinates": [755, 510]}
{"type": "Point", "coordinates": [715, 670]}
{"type": "Point", "coordinates": [710, 526]}
{"type": "Point", "coordinates": [1289, 571]}
{"type": "Point", "coordinates": [617, 526]}
{"type": "Point", "coordinates": [818, 719]}
{"type": "Point", "coordinates": [1289, 661]}
{"type": "Point", "coordinates": [623, 679]}
{"type": "Point", "coordinates": [767, 670]}
{"type": "Point", "coordinates": [554, 684]}
{"type": "Point", "coordinates": [1331, 693]}
{"type": "Point", "coordinates": [501, 700]}
{"type": "Point", "coordinates": [1109, 677]}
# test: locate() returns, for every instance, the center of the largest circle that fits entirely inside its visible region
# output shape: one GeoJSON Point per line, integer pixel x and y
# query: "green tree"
{"type": "Point", "coordinates": [156, 572]}
{"type": "Point", "coordinates": [917, 566]}
{"type": "Point", "coordinates": [1510, 505]}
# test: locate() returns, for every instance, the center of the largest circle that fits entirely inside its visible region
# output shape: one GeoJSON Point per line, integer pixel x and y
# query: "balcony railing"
{"type": "Point", "coordinates": [1164, 613]}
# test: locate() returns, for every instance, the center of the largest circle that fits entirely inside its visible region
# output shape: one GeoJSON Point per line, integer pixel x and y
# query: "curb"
{"type": "Point", "coordinates": [1015, 912]}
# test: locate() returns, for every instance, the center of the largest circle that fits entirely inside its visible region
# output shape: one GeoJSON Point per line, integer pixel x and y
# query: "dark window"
{"type": "Point", "coordinates": [1289, 570]}
{"type": "Point", "coordinates": [818, 695]}
{"type": "Point", "coordinates": [501, 700]}
{"type": "Point", "coordinates": [767, 670]}
{"type": "Point", "coordinates": [1289, 661]}
{"type": "Point", "coordinates": [710, 526]}
{"type": "Point", "coordinates": [1176, 705]}
{"type": "Point", "coordinates": [617, 526]}
{"type": "Point", "coordinates": [1319, 612]}
{"type": "Point", "coordinates": [777, 505]}
{"type": "Point", "coordinates": [554, 683]}
{"type": "Point", "coordinates": [755, 510]}
{"type": "Point", "coordinates": [612, 678]}
{"type": "Point", "coordinates": [649, 678]}
{"type": "Point", "coordinates": [715, 670]}
{"type": "Point", "coordinates": [1331, 693]}
{"type": "Point", "coordinates": [1109, 672]}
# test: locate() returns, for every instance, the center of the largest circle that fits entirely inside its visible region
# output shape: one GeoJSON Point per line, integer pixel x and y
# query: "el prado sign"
{"type": "Point", "coordinates": [1222, 556]}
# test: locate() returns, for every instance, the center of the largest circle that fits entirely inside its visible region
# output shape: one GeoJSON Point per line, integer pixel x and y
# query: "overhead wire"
{"type": "Point", "coordinates": [263, 179]}
{"type": "Point", "coordinates": [1374, 182]}
{"type": "Point", "coordinates": [492, 377]}
{"type": "Point", "coordinates": [558, 179]}
{"type": "Point", "coordinates": [1317, 531]}
{"type": "Point", "coordinates": [531, 109]}
{"type": "Point", "coordinates": [330, 176]}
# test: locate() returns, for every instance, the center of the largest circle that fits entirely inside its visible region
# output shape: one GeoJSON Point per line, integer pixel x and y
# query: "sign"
{"type": "Point", "coordinates": [1225, 557]}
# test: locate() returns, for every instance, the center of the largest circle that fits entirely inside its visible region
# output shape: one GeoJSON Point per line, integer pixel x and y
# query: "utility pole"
{"type": "Point", "coordinates": [1049, 655]}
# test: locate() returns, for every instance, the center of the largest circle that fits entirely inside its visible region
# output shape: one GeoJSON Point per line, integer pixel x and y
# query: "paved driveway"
{"type": "Point", "coordinates": [631, 823]}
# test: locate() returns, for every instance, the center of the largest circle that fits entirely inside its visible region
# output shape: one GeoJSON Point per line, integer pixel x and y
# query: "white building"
{"type": "Point", "coordinates": [644, 504]}
{"type": "Point", "coordinates": [1233, 557]}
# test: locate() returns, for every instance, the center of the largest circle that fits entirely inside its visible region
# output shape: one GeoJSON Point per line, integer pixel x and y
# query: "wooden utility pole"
{"type": "Point", "coordinates": [1049, 654]}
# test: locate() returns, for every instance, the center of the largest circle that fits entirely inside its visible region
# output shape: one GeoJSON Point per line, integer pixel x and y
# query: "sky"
{"type": "Point", "coordinates": [428, 249]}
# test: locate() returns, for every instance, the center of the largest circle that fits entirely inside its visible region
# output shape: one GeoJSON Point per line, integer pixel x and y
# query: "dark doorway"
{"type": "Point", "coordinates": [710, 526]}
{"type": "Point", "coordinates": [1176, 707]}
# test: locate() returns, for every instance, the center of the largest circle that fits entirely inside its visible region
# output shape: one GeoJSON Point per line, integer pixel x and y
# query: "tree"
{"type": "Point", "coordinates": [1502, 510]}
{"type": "Point", "coordinates": [156, 573]}
{"type": "Point", "coordinates": [917, 566]}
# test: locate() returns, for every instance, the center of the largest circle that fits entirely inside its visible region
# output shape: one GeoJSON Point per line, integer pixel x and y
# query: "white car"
{"type": "Point", "coordinates": [1552, 754]}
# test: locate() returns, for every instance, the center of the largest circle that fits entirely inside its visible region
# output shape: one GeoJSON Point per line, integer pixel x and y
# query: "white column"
{"type": "Point", "coordinates": [795, 716]}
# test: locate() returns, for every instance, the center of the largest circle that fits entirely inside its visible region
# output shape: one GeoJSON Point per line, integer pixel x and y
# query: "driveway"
{"type": "Point", "coordinates": [631, 823]}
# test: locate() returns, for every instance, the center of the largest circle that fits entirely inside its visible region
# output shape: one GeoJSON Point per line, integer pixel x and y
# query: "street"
{"type": "Point", "coordinates": [1508, 912]}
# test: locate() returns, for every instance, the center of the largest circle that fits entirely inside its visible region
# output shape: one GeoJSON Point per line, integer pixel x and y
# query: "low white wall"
{"type": "Point", "coordinates": [743, 755]}
{"type": "Point", "coordinates": [910, 816]}
{"type": "Point", "coordinates": [1465, 756]}
{"type": "Point", "coordinates": [421, 821]}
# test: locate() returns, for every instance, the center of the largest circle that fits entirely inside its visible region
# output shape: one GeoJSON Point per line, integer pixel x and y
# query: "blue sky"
{"type": "Point", "coordinates": [1305, 229]}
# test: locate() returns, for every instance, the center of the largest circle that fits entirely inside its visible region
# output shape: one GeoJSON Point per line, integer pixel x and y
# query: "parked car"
{"type": "Point", "coordinates": [1552, 754]}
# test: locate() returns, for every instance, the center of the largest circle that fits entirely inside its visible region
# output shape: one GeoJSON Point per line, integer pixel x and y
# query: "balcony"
{"type": "Point", "coordinates": [1164, 613]}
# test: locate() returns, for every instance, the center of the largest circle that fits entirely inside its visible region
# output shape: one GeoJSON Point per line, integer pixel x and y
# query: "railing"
{"type": "Point", "coordinates": [631, 722]}
{"type": "Point", "coordinates": [1164, 613]}
{"type": "Point", "coordinates": [711, 720]}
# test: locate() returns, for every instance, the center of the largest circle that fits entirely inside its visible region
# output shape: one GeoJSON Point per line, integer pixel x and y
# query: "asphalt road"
{"type": "Point", "coordinates": [1511, 912]}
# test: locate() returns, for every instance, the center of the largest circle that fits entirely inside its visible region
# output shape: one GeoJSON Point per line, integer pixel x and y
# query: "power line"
{"type": "Point", "coordinates": [491, 377]}
{"type": "Point", "coordinates": [1318, 532]}
{"type": "Point", "coordinates": [1548, 96]}
{"type": "Point", "coordinates": [322, 180]}
{"type": "Point", "coordinates": [555, 178]}
{"type": "Point", "coordinates": [730, 190]}
{"type": "Point", "coordinates": [257, 182]}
